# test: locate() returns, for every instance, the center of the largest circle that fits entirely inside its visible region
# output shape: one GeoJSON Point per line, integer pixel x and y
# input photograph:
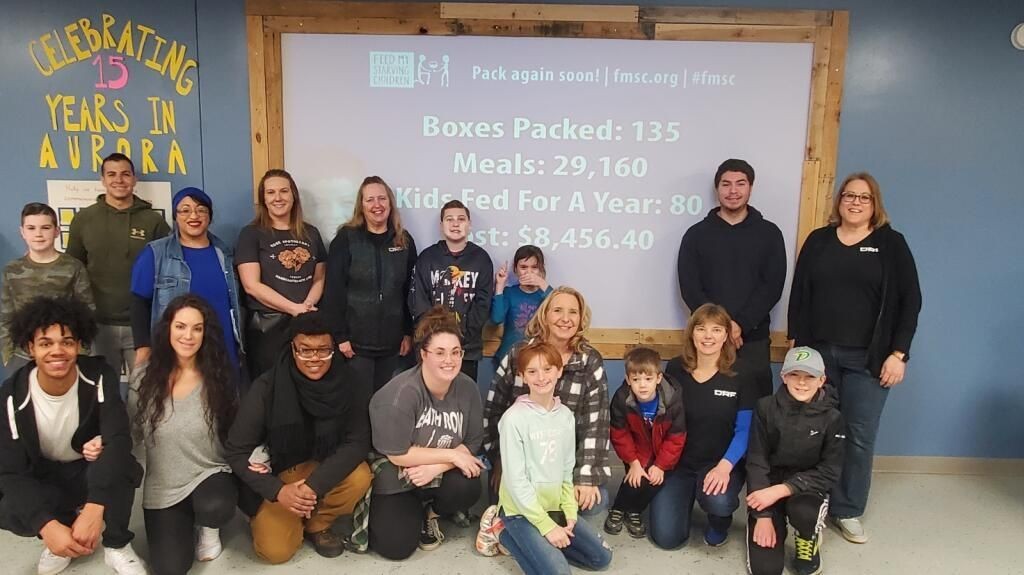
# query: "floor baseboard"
{"type": "Point", "coordinates": [949, 465]}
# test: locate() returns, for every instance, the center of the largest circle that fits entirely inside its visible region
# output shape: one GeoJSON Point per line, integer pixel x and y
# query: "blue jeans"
{"type": "Point", "coordinates": [673, 505]}
{"type": "Point", "coordinates": [537, 556]}
{"type": "Point", "coordinates": [861, 400]}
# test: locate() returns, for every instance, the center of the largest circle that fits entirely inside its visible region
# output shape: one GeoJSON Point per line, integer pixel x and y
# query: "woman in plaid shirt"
{"type": "Point", "coordinates": [560, 321]}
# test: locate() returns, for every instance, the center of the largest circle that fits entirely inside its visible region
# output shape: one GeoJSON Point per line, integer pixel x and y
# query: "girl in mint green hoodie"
{"type": "Point", "coordinates": [536, 502]}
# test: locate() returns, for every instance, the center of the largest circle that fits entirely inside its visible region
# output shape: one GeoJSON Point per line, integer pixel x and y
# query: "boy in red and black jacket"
{"type": "Point", "coordinates": [648, 431]}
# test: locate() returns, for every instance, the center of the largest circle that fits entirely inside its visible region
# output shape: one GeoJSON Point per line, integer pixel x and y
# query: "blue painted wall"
{"type": "Point", "coordinates": [932, 107]}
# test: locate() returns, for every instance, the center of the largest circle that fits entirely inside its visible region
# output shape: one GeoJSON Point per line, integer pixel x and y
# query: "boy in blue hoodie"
{"type": "Point", "coordinates": [536, 502]}
{"type": "Point", "coordinates": [794, 459]}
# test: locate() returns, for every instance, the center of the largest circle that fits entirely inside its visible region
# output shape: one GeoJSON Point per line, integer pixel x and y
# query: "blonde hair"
{"type": "Point", "coordinates": [296, 223]}
{"type": "Point", "coordinates": [715, 314]}
{"type": "Point", "coordinates": [538, 326]}
{"type": "Point", "coordinates": [358, 219]}
{"type": "Point", "coordinates": [879, 217]}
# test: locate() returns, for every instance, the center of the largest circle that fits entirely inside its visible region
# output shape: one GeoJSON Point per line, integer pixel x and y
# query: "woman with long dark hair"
{"type": "Point", "coordinates": [282, 264]}
{"type": "Point", "coordinates": [185, 403]}
{"type": "Point", "coordinates": [368, 273]}
{"type": "Point", "coordinates": [856, 299]}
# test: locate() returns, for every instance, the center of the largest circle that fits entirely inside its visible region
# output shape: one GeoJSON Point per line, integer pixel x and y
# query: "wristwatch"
{"type": "Point", "coordinates": [901, 355]}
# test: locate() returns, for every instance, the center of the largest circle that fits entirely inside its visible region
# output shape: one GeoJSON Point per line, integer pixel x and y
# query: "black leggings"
{"type": "Point", "coordinates": [806, 513]}
{"type": "Point", "coordinates": [396, 520]}
{"type": "Point", "coordinates": [170, 531]}
{"type": "Point", "coordinates": [635, 499]}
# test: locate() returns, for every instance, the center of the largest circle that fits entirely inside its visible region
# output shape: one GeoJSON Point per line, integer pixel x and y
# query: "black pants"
{"type": "Point", "coordinates": [67, 489]}
{"type": "Point", "coordinates": [396, 520]}
{"type": "Point", "coordinates": [266, 334]}
{"type": "Point", "coordinates": [806, 513]}
{"type": "Point", "coordinates": [470, 367]}
{"type": "Point", "coordinates": [376, 370]}
{"type": "Point", "coordinates": [635, 499]}
{"type": "Point", "coordinates": [170, 531]}
{"type": "Point", "coordinates": [754, 360]}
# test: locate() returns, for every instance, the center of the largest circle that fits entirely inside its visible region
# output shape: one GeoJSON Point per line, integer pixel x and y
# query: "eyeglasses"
{"type": "Point", "coordinates": [442, 354]}
{"type": "Point", "coordinates": [201, 211]}
{"type": "Point", "coordinates": [311, 354]}
{"type": "Point", "coordinates": [850, 197]}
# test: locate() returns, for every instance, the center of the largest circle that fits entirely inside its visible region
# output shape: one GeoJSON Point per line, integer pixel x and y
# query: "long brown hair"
{"type": "Point", "coordinates": [296, 223]}
{"type": "Point", "coordinates": [714, 314]}
{"type": "Point", "coordinates": [538, 325]}
{"type": "Point", "coordinates": [879, 217]}
{"type": "Point", "coordinates": [358, 220]}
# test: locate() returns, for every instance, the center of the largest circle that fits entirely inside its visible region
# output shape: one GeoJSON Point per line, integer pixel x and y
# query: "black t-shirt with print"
{"type": "Point", "coordinates": [846, 292]}
{"type": "Point", "coordinates": [286, 263]}
{"type": "Point", "coordinates": [711, 409]}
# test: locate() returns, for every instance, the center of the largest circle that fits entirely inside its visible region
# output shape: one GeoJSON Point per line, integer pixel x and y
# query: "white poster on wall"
{"type": "Point", "coordinates": [66, 197]}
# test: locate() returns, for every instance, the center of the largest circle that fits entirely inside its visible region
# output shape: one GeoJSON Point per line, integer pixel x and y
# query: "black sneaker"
{"type": "Point", "coordinates": [613, 524]}
{"type": "Point", "coordinates": [635, 526]}
{"type": "Point", "coordinates": [431, 536]}
{"type": "Point", "coordinates": [808, 556]}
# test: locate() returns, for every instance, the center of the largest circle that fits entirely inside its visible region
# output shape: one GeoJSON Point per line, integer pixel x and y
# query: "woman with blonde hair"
{"type": "Point", "coordinates": [856, 299]}
{"type": "Point", "coordinates": [561, 321]}
{"type": "Point", "coordinates": [368, 270]}
{"type": "Point", "coordinates": [719, 404]}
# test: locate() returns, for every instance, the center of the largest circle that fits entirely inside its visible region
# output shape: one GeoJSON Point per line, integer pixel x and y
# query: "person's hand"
{"type": "Point", "coordinates": [570, 524]}
{"type": "Point", "coordinates": [406, 346]}
{"type": "Point", "coordinates": [717, 479]}
{"type": "Point", "coordinates": [558, 537]}
{"type": "Point", "coordinates": [421, 475]}
{"type": "Point", "coordinates": [141, 356]}
{"type": "Point", "coordinates": [495, 474]}
{"type": "Point", "coordinates": [892, 371]}
{"type": "Point", "coordinates": [736, 334]}
{"type": "Point", "coordinates": [636, 474]}
{"type": "Point", "coordinates": [655, 475]}
{"type": "Point", "coordinates": [587, 496]}
{"type": "Point", "coordinates": [92, 449]}
{"type": "Point", "coordinates": [58, 539]}
{"type": "Point", "coordinates": [764, 532]}
{"type": "Point", "coordinates": [500, 279]}
{"type": "Point", "coordinates": [298, 498]}
{"type": "Point", "coordinates": [468, 464]}
{"type": "Point", "coordinates": [764, 498]}
{"type": "Point", "coordinates": [88, 526]}
{"type": "Point", "coordinates": [346, 350]}
{"type": "Point", "coordinates": [310, 305]}
{"type": "Point", "coordinates": [534, 279]}
{"type": "Point", "coordinates": [261, 468]}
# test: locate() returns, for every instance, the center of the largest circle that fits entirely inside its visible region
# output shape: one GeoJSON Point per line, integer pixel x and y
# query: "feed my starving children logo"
{"type": "Point", "coordinates": [407, 70]}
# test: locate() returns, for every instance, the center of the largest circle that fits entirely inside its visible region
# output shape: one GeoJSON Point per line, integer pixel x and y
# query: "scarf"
{"type": "Point", "coordinates": [298, 404]}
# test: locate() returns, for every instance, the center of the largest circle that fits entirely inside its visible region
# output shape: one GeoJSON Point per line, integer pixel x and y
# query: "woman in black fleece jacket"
{"type": "Point", "coordinates": [856, 299]}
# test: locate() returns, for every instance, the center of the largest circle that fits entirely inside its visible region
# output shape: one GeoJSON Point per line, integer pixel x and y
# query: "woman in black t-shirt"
{"type": "Point", "coordinates": [719, 404]}
{"type": "Point", "coordinates": [856, 299]}
{"type": "Point", "coordinates": [281, 264]}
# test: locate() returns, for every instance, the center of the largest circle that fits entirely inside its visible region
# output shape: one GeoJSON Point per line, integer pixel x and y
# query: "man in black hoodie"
{"type": "Point", "coordinates": [737, 259]}
{"type": "Point", "coordinates": [310, 419]}
{"type": "Point", "coordinates": [457, 275]}
{"type": "Point", "coordinates": [66, 466]}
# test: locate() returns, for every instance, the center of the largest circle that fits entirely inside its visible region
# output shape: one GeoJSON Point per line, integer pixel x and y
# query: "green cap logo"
{"type": "Point", "coordinates": [801, 355]}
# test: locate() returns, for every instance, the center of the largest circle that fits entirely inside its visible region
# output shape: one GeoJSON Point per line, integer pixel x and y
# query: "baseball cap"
{"type": "Point", "coordinates": [805, 359]}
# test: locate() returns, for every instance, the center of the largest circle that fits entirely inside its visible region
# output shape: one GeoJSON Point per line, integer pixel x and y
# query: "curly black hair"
{"type": "Point", "coordinates": [40, 313]}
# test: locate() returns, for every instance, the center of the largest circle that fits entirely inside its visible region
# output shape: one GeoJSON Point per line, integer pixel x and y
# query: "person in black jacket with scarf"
{"type": "Point", "coordinates": [312, 417]}
{"type": "Point", "coordinates": [856, 299]}
{"type": "Point", "coordinates": [66, 467]}
{"type": "Point", "coordinates": [368, 269]}
{"type": "Point", "coordinates": [794, 458]}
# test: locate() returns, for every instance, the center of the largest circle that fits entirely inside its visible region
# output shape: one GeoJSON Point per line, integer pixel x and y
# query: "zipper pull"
{"type": "Point", "coordinates": [380, 296]}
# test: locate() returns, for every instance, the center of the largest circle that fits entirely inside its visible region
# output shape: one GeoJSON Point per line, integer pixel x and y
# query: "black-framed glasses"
{"type": "Point", "coordinates": [311, 354]}
{"type": "Point", "coordinates": [850, 197]}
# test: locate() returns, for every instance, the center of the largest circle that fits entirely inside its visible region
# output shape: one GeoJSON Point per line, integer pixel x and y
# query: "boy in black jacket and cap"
{"type": "Point", "coordinates": [66, 466]}
{"type": "Point", "coordinates": [794, 458]}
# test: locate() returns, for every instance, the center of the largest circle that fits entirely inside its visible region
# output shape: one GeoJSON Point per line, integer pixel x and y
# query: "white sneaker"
{"type": "Point", "coordinates": [50, 564]}
{"type": "Point", "coordinates": [124, 561]}
{"type": "Point", "coordinates": [852, 529]}
{"type": "Point", "coordinates": [208, 545]}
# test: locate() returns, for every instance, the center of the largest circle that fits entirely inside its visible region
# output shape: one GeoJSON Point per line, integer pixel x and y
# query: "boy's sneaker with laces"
{"type": "Point", "coordinates": [714, 537]}
{"type": "Point", "coordinates": [50, 564]}
{"type": "Point", "coordinates": [613, 524]}
{"type": "Point", "coordinates": [431, 536]}
{"type": "Point", "coordinates": [490, 527]}
{"type": "Point", "coordinates": [635, 526]}
{"type": "Point", "coordinates": [808, 556]}
{"type": "Point", "coordinates": [851, 529]}
{"type": "Point", "coordinates": [208, 546]}
{"type": "Point", "coordinates": [124, 561]}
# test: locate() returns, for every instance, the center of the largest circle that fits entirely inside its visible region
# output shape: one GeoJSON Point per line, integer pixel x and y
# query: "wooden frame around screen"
{"type": "Point", "coordinates": [827, 30]}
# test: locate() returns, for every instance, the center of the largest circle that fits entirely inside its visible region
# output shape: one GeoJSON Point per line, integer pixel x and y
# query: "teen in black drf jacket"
{"type": "Point", "coordinates": [457, 275]}
{"type": "Point", "coordinates": [794, 458]}
{"type": "Point", "coordinates": [66, 442]}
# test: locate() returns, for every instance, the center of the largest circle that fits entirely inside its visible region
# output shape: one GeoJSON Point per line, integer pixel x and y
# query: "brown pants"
{"type": "Point", "coordinates": [277, 532]}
